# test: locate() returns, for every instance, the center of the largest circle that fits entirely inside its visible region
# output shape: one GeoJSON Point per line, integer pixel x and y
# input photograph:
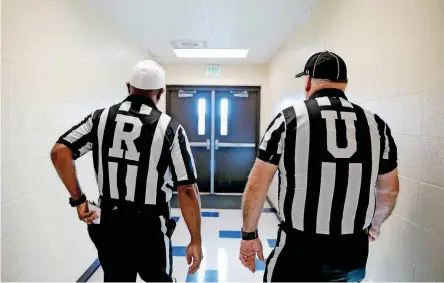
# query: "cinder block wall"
{"type": "Point", "coordinates": [395, 55]}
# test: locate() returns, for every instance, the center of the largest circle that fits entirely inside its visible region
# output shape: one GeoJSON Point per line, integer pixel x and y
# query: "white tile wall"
{"type": "Point", "coordinates": [421, 158]}
{"type": "Point", "coordinates": [433, 118]}
{"type": "Point", "coordinates": [60, 61]}
{"type": "Point", "coordinates": [394, 268]}
{"type": "Point", "coordinates": [431, 208]}
{"type": "Point", "coordinates": [393, 51]}
{"type": "Point", "coordinates": [402, 113]}
{"type": "Point", "coordinates": [421, 277]}
{"type": "Point", "coordinates": [429, 256]}
{"type": "Point", "coordinates": [407, 204]}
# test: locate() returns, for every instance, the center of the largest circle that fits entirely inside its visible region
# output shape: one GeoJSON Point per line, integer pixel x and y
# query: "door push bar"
{"type": "Point", "coordinates": [201, 144]}
{"type": "Point", "coordinates": [233, 144]}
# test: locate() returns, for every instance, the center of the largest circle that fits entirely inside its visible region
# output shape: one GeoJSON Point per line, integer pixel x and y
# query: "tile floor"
{"type": "Point", "coordinates": [221, 237]}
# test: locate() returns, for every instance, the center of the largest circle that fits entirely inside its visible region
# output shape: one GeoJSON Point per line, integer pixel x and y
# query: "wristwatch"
{"type": "Point", "coordinates": [77, 202]}
{"type": "Point", "coordinates": [249, 235]}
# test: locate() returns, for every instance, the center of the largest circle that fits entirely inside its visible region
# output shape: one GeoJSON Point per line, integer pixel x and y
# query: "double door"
{"type": "Point", "coordinates": [222, 126]}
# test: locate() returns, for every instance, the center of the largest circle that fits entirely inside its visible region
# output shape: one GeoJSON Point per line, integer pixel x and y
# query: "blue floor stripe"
{"type": "Point", "coordinates": [271, 243]}
{"type": "Point", "coordinates": [230, 234]}
{"type": "Point", "coordinates": [176, 218]}
{"type": "Point", "coordinates": [260, 265]}
{"type": "Point", "coordinates": [209, 276]}
{"type": "Point", "coordinates": [269, 210]}
{"type": "Point", "coordinates": [179, 251]}
{"type": "Point", "coordinates": [210, 214]}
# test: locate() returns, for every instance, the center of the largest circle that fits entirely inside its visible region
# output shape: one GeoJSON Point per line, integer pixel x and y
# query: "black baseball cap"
{"type": "Point", "coordinates": [325, 65]}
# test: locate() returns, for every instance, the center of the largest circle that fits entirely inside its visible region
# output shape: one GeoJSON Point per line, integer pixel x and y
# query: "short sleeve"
{"type": "Point", "coordinates": [183, 167]}
{"type": "Point", "coordinates": [79, 137]}
{"type": "Point", "coordinates": [271, 146]}
{"type": "Point", "coordinates": [389, 153]}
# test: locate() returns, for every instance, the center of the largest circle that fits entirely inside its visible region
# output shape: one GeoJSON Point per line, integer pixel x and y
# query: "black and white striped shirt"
{"type": "Point", "coordinates": [329, 153]}
{"type": "Point", "coordinates": [139, 153]}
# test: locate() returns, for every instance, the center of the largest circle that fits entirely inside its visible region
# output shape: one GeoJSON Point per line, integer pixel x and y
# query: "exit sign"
{"type": "Point", "coordinates": [213, 71]}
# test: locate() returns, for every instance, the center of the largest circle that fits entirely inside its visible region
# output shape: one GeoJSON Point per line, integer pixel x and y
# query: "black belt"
{"type": "Point", "coordinates": [131, 207]}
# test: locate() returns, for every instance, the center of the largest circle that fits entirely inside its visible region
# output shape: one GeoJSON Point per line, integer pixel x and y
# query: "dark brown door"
{"type": "Point", "coordinates": [235, 139]}
{"type": "Point", "coordinates": [222, 127]}
{"type": "Point", "coordinates": [191, 108]}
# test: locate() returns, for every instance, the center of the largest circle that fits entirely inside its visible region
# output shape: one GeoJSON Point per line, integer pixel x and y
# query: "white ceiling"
{"type": "Point", "coordinates": [261, 26]}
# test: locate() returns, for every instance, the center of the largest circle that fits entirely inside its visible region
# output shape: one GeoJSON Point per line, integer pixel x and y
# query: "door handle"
{"type": "Point", "coordinates": [234, 144]}
{"type": "Point", "coordinates": [206, 144]}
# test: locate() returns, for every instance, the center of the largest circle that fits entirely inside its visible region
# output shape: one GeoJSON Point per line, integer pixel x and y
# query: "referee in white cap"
{"type": "Point", "coordinates": [140, 154]}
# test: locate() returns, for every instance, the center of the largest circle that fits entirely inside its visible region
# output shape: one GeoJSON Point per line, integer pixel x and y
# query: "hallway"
{"type": "Point", "coordinates": [230, 68]}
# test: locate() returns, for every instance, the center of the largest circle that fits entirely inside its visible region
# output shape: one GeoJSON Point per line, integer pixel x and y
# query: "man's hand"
{"type": "Point", "coordinates": [84, 213]}
{"type": "Point", "coordinates": [194, 257]}
{"type": "Point", "coordinates": [248, 251]}
{"type": "Point", "coordinates": [373, 233]}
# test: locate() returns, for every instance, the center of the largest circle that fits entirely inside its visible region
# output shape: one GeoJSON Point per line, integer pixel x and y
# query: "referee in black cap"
{"type": "Point", "coordinates": [338, 182]}
{"type": "Point", "coordinates": [140, 154]}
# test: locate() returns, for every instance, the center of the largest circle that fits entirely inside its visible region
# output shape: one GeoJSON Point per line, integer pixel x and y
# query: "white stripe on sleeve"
{"type": "Point", "coordinates": [177, 158]}
{"type": "Point", "coordinates": [82, 130]}
{"type": "Point", "coordinates": [387, 145]}
{"type": "Point", "coordinates": [376, 147]}
{"type": "Point", "coordinates": [277, 123]}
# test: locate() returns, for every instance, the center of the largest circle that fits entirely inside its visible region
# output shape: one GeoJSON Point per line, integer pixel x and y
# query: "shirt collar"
{"type": "Point", "coordinates": [330, 92]}
{"type": "Point", "coordinates": [141, 99]}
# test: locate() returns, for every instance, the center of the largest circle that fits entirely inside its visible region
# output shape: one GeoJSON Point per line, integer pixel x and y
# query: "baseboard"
{"type": "Point", "coordinates": [89, 272]}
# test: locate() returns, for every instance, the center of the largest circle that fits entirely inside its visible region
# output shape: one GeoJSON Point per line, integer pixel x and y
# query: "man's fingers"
{"type": "Point", "coordinates": [195, 266]}
{"type": "Point", "coordinates": [373, 234]}
{"type": "Point", "coordinates": [189, 258]}
{"type": "Point", "coordinates": [252, 266]}
{"type": "Point", "coordinates": [245, 261]}
{"type": "Point", "coordinates": [91, 219]}
{"type": "Point", "coordinates": [249, 262]}
{"type": "Point", "coordinates": [87, 216]}
{"type": "Point", "coordinates": [260, 254]}
{"type": "Point", "coordinates": [248, 254]}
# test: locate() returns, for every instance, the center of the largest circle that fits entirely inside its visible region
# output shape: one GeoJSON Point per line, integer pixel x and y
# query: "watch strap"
{"type": "Point", "coordinates": [250, 235]}
{"type": "Point", "coordinates": [77, 202]}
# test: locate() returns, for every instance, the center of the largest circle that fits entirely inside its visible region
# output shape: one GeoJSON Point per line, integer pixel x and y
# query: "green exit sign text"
{"type": "Point", "coordinates": [213, 71]}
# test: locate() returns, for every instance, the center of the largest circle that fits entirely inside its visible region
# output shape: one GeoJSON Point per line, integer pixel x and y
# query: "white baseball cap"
{"type": "Point", "coordinates": [147, 75]}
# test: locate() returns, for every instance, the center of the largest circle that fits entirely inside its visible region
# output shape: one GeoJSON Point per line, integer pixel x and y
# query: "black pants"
{"type": "Point", "coordinates": [301, 257]}
{"type": "Point", "coordinates": [131, 243]}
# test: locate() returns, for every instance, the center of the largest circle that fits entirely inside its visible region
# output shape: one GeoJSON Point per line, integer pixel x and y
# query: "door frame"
{"type": "Point", "coordinates": [219, 88]}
